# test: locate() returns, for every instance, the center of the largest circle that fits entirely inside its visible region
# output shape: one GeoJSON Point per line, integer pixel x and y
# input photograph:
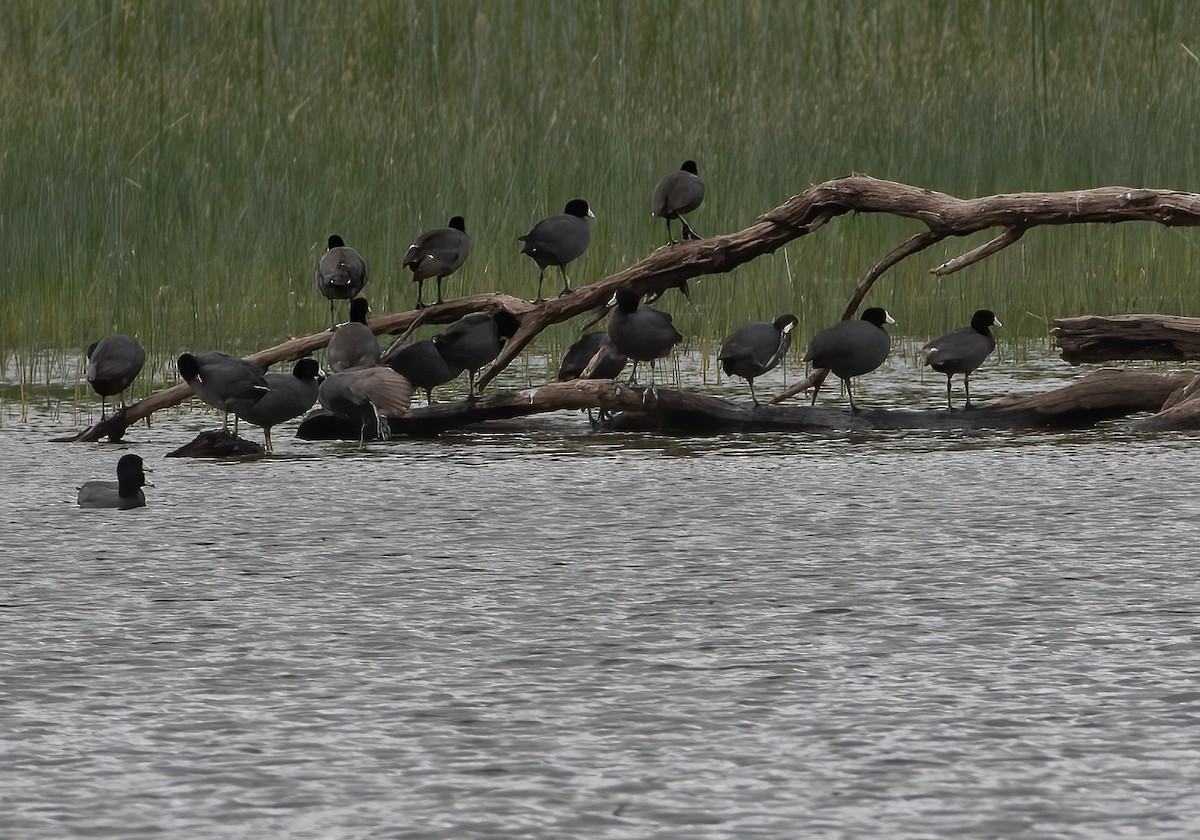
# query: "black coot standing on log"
{"type": "Point", "coordinates": [438, 253]}
{"type": "Point", "coordinates": [581, 353]}
{"type": "Point", "coordinates": [341, 273]}
{"type": "Point", "coordinates": [112, 365]}
{"type": "Point", "coordinates": [851, 348]}
{"type": "Point", "coordinates": [225, 382]}
{"type": "Point", "coordinates": [290, 395]}
{"type": "Point", "coordinates": [757, 348]}
{"type": "Point", "coordinates": [352, 344]}
{"type": "Point", "coordinates": [963, 351]}
{"type": "Point", "coordinates": [557, 240]}
{"type": "Point", "coordinates": [641, 333]}
{"type": "Point", "coordinates": [368, 395]}
{"type": "Point", "coordinates": [678, 193]}
{"type": "Point", "coordinates": [422, 364]}
{"type": "Point", "coordinates": [122, 494]}
{"type": "Point", "coordinates": [475, 340]}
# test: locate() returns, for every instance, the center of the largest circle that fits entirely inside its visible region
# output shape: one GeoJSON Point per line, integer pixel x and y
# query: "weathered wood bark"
{"type": "Point", "coordinates": [1161, 338]}
{"type": "Point", "coordinates": [672, 266]}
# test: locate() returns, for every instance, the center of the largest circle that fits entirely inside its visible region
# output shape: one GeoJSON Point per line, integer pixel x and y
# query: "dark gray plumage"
{"type": "Point", "coordinates": [422, 364]}
{"type": "Point", "coordinates": [112, 365]}
{"type": "Point", "coordinates": [641, 333]}
{"type": "Point", "coordinates": [756, 348]}
{"type": "Point", "coordinates": [225, 382]}
{"type": "Point", "coordinates": [581, 353]}
{"type": "Point", "coordinates": [475, 340]}
{"type": "Point", "coordinates": [557, 240]}
{"type": "Point", "coordinates": [289, 396]}
{"type": "Point", "coordinates": [851, 348]}
{"type": "Point", "coordinates": [352, 344]}
{"type": "Point", "coordinates": [678, 193]}
{"type": "Point", "coordinates": [438, 253]}
{"type": "Point", "coordinates": [963, 351]}
{"type": "Point", "coordinates": [341, 273]}
{"type": "Point", "coordinates": [369, 395]}
{"type": "Point", "coordinates": [122, 494]}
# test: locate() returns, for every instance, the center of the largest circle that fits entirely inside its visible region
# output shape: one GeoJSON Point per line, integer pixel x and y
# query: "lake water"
{"type": "Point", "coordinates": [549, 633]}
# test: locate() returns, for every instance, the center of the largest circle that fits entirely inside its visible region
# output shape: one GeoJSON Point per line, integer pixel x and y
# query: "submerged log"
{"type": "Point", "coordinates": [1159, 338]}
{"type": "Point", "coordinates": [1099, 396]}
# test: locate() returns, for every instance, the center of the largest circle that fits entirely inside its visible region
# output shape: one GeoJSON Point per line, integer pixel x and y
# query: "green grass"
{"type": "Point", "coordinates": [172, 169]}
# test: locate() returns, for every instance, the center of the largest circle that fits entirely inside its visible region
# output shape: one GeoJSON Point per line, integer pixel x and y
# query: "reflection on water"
{"type": "Point", "coordinates": [553, 634]}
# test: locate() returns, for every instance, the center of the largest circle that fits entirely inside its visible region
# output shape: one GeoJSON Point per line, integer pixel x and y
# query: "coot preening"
{"type": "Point", "coordinates": [369, 395]}
{"type": "Point", "coordinates": [289, 396]}
{"type": "Point", "coordinates": [112, 365]}
{"type": "Point", "coordinates": [225, 382]}
{"type": "Point", "coordinates": [963, 351]}
{"type": "Point", "coordinates": [581, 353]}
{"type": "Point", "coordinates": [352, 344]}
{"type": "Point", "coordinates": [641, 333]}
{"type": "Point", "coordinates": [851, 348]}
{"type": "Point", "coordinates": [422, 364]}
{"type": "Point", "coordinates": [678, 193]}
{"type": "Point", "coordinates": [756, 348]}
{"type": "Point", "coordinates": [438, 253]}
{"type": "Point", "coordinates": [474, 340]}
{"type": "Point", "coordinates": [557, 240]}
{"type": "Point", "coordinates": [341, 273]}
{"type": "Point", "coordinates": [122, 494]}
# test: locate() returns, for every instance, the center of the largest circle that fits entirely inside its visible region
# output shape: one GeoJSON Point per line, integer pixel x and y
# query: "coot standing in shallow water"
{"type": "Point", "coordinates": [557, 240]}
{"type": "Point", "coordinates": [678, 193]}
{"type": "Point", "coordinates": [352, 344]}
{"type": "Point", "coordinates": [963, 351]}
{"type": "Point", "coordinates": [112, 365]}
{"type": "Point", "coordinates": [851, 348]}
{"type": "Point", "coordinates": [122, 494]}
{"type": "Point", "coordinates": [290, 395]}
{"type": "Point", "coordinates": [757, 348]}
{"type": "Point", "coordinates": [341, 273]}
{"type": "Point", "coordinates": [438, 253]}
{"type": "Point", "coordinates": [641, 333]}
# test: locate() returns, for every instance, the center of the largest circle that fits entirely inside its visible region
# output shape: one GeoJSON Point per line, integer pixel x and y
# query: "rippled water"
{"type": "Point", "coordinates": [555, 634]}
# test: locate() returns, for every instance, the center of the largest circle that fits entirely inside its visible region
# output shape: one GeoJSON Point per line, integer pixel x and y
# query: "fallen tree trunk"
{"type": "Point", "coordinates": [1099, 396]}
{"type": "Point", "coordinates": [673, 266]}
{"type": "Point", "coordinates": [1160, 338]}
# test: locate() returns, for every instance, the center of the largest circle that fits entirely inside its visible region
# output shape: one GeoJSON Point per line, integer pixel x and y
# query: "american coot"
{"type": "Point", "coordinates": [422, 364]}
{"type": "Point", "coordinates": [963, 351]}
{"type": "Point", "coordinates": [341, 273]}
{"type": "Point", "coordinates": [112, 365]}
{"type": "Point", "coordinates": [678, 193]}
{"type": "Point", "coordinates": [352, 344]}
{"type": "Point", "coordinates": [475, 340]}
{"type": "Point", "coordinates": [438, 253]}
{"type": "Point", "coordinates": [641, 333]}
{"type": "Point", "coordinates": [557, 240]}
{"type": "Point", "coordinates": [756, 348]}
{"type": "Point", "coordinates": [225, 382]}
{"type": "Point", "coordinates": [122, 494]}
{"type": "Point", "coordinates": [851, 348]}
{"type": "Point", "coordinates": [581, 353]}
{"type": "Point", "coordinates": [369, 395]}
{"type": "Point", "coordinates": [290, 395]}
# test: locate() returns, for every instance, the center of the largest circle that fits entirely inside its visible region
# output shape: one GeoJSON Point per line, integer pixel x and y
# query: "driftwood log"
{"type": "Point", "coordinates": [1159, 338]}
{"type": "Point", "coordinates": [943, 215]}
{"type": "Point", "coordinates": [1102, 395]}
